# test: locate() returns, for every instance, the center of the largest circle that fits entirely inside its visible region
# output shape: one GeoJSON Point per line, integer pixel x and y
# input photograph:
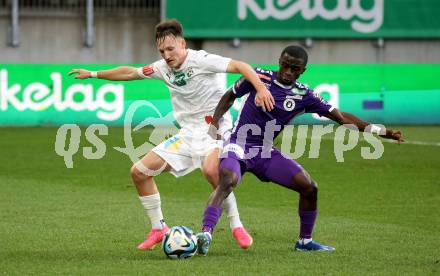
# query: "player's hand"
{"type": "Point", "coordinates": [398, 136]}
{"type": "Point", "coordinates": [394, 135]}
{"type": "Point", "coordinates": [212, 131]}
{"type": "Point", "coordinates": [264, 99]}
{"type": "Point", "coordinates": [81, 73]}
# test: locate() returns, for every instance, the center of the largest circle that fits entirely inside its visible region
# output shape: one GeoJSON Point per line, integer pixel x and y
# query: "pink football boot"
{"type": "Point", "coordinates": [242, 237]}
{"type": "Point", "coordinates": [154, 237]}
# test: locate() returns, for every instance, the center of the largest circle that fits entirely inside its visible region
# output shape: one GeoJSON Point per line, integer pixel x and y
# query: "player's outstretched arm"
{"type": "Point", "coordinates": [263, 97]}
{"type": "Point", "coordinates": [122, 73]}
{"type": "Point", "coordinates": [224, 104]}
{"type": "Point", "coordinates": [345, 118]}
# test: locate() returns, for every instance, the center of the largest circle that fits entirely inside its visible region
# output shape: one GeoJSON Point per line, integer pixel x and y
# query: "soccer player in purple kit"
{"type": "Point", "coordinates": [250, 146]}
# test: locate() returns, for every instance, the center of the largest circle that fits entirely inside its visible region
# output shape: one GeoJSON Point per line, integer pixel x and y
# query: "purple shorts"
{"type": "Point", "coordinates": [276, 167]}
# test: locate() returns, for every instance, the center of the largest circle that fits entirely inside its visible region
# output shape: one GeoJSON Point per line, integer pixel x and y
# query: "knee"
{"type": "Point", "coordinates": [310, 190]}
{"type": "Point", "coordinates": [225, 188]}
{"type": "Point", "coordinates": [138, 175]}
{"type": "Point", "coordinates": [228, 180]}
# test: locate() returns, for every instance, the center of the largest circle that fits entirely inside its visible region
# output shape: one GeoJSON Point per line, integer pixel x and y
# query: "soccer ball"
{"type": "Point", "coordinates": [179, 243]}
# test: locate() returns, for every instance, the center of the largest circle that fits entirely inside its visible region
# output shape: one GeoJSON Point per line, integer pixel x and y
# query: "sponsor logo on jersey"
{"type": "Point", "coordinates": [179, 79]}
{"type": "Point", "coordinates": [299, 91]}
{"type": "Point", "coordinates": [296, 97]}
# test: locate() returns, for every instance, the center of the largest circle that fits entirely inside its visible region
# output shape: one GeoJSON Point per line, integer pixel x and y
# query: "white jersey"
{"type": "Point", "coordinates": [195, 88]}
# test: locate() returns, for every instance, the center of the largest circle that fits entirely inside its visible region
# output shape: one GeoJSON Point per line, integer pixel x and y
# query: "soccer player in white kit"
{"type": "Point", "coordinates": [191, 77]}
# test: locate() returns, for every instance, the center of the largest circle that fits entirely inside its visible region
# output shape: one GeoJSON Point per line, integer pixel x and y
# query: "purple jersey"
{"type": "Point", "coordinates": [253, 126]}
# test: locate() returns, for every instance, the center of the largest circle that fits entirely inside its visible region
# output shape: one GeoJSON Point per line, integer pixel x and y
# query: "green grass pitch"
{"type": "Point", "coordinates": [383, 216]}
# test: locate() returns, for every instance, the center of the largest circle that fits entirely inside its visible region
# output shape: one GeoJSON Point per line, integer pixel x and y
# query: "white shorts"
{"type": "Point", "coordinates": [186, 151]}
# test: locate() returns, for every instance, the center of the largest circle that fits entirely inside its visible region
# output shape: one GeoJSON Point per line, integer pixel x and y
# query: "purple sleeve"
{"type": "Point", "coordinates": [316, 104]}
{"type": "Point", "coordinates": [242, 87]}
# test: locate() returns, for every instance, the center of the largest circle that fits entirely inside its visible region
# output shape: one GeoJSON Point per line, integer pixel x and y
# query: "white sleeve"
{"type": "Point", "coordinates": [213, 63]}
{"type": "Point", "coordinates": [150, 71]}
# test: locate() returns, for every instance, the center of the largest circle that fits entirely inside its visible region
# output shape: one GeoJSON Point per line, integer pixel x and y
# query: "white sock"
{"type": "Point", "coordinates": [305, 241]}
{"type": "Point", "coordinates": [230, 207]}
{"type": "Point", "coordinates": [152, 208]}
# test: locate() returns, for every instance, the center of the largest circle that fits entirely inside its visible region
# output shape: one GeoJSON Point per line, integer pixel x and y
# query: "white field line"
{"type": "Point", "coordinates": [419, 143]}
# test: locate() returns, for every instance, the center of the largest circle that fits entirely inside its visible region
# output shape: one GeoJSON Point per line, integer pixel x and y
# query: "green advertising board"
{"type": "Point", "coordinates": [307, 18]}
{"type": "Point", "coordinates": [43, 94]}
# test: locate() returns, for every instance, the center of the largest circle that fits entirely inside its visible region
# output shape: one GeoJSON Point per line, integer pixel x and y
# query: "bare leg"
{"type": "Point", "coordinates": [143, 171]}
{"type": "Point", "coordinates": [142, 174]}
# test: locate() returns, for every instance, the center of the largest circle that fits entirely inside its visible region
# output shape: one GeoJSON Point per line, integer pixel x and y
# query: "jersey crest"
{"type": "Point", "coordinates": [289, 104]}
{"type": "Point", "coordinates": [189, 72]}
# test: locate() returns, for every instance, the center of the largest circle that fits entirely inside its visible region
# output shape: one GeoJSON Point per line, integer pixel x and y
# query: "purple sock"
{"type": "Point", "coordinates": [307, 219]}
{"type": "Point", "coordinates": [210, 218]}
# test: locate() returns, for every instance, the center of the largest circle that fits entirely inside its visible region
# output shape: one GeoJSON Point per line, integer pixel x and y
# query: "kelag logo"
{"type": "Point", "coordinates": [107, 101]}
{"type": "Point", "coordinates": [363, 20]}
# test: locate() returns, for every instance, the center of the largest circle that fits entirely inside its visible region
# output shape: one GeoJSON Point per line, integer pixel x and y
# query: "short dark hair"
{"type": "Point", "coordinates": [169, 27]}
{"type": "Point", "coordinates": [296, 52]}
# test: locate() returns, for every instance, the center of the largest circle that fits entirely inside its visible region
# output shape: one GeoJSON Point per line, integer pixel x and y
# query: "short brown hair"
{"type": "Point", "coordinates": [169, 27]}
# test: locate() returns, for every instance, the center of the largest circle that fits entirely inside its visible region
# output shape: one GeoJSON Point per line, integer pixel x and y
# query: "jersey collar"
{"type": "Point", "coordinates": [282, 85]}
